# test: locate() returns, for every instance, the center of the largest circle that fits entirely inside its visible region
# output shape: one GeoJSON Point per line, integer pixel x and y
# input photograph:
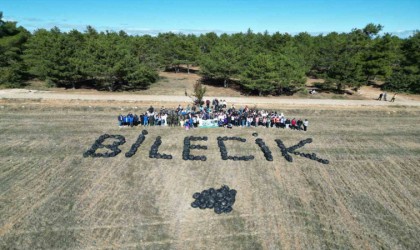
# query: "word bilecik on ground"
{"type": "Point", "coordinates": [118, 140]}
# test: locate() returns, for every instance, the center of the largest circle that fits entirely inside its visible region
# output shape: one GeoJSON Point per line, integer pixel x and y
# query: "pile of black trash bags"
{"type": "Point", "coordinates": [120, 140]}
{"type": "Point", "coordinates": [154, 150]}
{"type": "Point", "coordinates": [221, 200]}
{"type": "Point", "coordinates": [186, 153]}
{"type": "Point", "coordinates": [264, 149]}
{"type": "Point", "coordinates": [137, 144]}
{"type": "Point", "coordinates": [313, 156]}
{"type": "Point", "coordinates": [223, 149]}
{"type": "Point", "coordinates": [285, 151]}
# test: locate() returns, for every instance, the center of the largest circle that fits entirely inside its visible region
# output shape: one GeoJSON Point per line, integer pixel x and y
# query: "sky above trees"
{"type": "Point", "coordinates": [154, 16]}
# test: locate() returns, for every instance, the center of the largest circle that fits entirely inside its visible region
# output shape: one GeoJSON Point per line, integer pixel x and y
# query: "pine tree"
{"type": "Point", "coordinates": [223, 62]}
{"type": "Point", "coordinates": [12, 41]}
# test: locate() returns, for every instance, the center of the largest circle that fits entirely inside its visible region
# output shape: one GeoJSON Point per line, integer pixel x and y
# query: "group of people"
{"type": "Point", "coordinates": [383, 96]}
{"type": "Point", "coordinates": [217, 113]}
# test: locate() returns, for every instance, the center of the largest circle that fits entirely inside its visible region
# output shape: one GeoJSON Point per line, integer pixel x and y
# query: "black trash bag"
{"type": "Point", "coordinates": [221, 200]}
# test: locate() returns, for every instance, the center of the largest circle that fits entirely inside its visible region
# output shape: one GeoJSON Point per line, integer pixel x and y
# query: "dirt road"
{"type": "Point", "coordinates": [129, 97]}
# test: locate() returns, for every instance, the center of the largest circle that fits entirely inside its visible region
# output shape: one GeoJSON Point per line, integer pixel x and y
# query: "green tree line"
{"type": "Point", "coordinates": [260, 63]}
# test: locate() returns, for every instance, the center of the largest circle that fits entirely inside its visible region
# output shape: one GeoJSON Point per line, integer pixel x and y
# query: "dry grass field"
{"type": "Point", "coordinates": [368, 197]}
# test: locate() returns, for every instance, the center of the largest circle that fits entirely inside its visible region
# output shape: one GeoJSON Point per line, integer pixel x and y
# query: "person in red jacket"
{"type": "Point", "coordinates": [294, 123]}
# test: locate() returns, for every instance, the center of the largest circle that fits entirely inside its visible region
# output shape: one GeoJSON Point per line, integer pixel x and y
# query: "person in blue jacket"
{"type": "Point", "coordinates": [145, 120]}
{"type": "Point", "coordinates": [130, 119]}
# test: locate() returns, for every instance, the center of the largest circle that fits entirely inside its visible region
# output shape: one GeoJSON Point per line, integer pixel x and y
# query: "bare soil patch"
{"type": "Point", "coordinates": [178, 87]}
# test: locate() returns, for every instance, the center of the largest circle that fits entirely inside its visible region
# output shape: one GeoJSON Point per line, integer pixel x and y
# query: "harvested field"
{"type": "Point", "coordinates": [366, 198]}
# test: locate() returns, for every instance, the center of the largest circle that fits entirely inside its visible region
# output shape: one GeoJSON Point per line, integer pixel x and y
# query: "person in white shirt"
{"type": "Point", "coordinates": [249, 121]}
{"type": "Point", "coordinates": [305, 124]}
{"type": "Point", "coordinates": [164, 118]}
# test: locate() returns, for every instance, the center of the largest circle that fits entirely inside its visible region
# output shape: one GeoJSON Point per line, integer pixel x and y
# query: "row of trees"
{"type": "Point", "coordinates": [261, 63]}
{"type": "Point", "coordinates": [106, 60]}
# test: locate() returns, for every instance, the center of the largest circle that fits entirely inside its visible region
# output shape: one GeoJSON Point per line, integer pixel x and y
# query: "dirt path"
{"type": "Point", "coordinates": [129, 97]}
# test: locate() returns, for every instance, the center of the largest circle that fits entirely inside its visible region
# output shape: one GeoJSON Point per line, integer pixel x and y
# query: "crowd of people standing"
{"type": "Point", "coordinates": [216, 111]}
